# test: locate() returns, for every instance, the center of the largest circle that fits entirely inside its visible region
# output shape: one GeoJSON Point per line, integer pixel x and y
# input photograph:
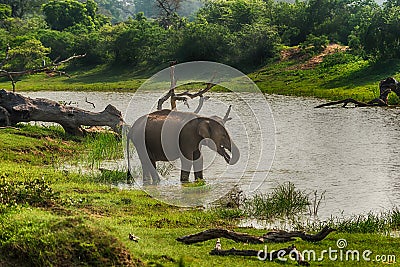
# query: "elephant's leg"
{"type": "Point", "coordinates": [154, 173]}
{"type": "Point", "coordinates": [198, 165]}
{"type": "Point", "coordinates": [146, 172]}
{"type": "Point", "coordinates": [146, 166]}
{"type": "Point", "coordinates": [186, 166]}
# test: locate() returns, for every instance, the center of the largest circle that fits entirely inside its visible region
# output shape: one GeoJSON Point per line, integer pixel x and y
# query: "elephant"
{"type": "Point", "coordinates": [167, 135]}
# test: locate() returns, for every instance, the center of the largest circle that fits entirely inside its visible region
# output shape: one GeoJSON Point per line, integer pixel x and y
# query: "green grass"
{"type": "Point", "coordinates": [284, 201]}
{"type": "Point", "coordinates": [101, 78]}
{"type": "Point", "coordinates": [384, 222]}
{"type": "Point", "coordinates": [358, 79]}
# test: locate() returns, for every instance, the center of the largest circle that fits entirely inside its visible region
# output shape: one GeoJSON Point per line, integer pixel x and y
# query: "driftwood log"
{"type": "Point", "coordinates": [15, 108]}
{"type": "Point", "coordinates": [273, 236]}
{"type": "Point", "coordinates": [345, 102]}
{"type": "Point", "coordinates": [276, 254]}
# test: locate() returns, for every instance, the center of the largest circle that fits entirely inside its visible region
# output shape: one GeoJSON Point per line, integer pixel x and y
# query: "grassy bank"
{"type": "Point", "coordinates": [335, 74]}
{"type": "Point", "coordinates": [62, 218]}
{"type": "Point", "coordinates": [338, 76]}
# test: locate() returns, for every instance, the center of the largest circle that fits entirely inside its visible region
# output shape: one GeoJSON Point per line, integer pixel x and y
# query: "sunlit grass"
{"type": "Point", "coordinates": [102, 146]}
{"type": "Point", "coordinates": [285, 200]}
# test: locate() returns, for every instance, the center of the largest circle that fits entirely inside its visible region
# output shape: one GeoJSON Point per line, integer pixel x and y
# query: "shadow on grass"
{"type": "Point", "coordinates": [371, 73]}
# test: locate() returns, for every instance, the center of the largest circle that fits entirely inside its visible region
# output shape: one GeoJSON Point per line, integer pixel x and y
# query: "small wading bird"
{"type": "Point", "coordinates": [218, 244]}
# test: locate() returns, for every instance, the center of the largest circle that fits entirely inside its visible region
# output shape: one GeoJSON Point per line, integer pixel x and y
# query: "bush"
{"type": "Point", "coordinates": [36, 193]}
{"type": "Point", "coordinates": [314, 44]}
{"type": "Point", "coordinates": [338, 58]}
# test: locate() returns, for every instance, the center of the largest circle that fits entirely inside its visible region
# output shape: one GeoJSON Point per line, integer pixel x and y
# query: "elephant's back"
{"type": "Point", "coordinates": [167, 114]}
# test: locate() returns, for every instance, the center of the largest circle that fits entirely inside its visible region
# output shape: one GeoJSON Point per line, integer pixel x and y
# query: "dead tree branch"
{"type": "Point", "coordinates": [344, 102]}
{"type": "Point", "coordinates": [226, 117]}
{"type": "Point", "coordinates": [201, 103]}
{"type": "Point", "coordinates": [52, 68]}
{"type": "Point", "coordinates": [87, 102]}
{"type": "Point", "coordinates": [276, 254]}
{"type": "Point", "coordinates": [185, 95]}
{"type": "Point", "coordinates": [273, 237]}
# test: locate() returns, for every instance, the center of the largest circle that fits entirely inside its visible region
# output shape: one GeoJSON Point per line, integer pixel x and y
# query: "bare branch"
{"type": "Point", "coordinates": [67, 60]}
{"type": "Point", "coordinates": [46, 69]}
{"type": "Point", "coordinates": [344, 102]}
{"type": "Point", "coordinates": [165, 98]}
{"type": "Point", "coordinates": [90, 102]}
{"type": "Point", "coordinates": [226, 117]}
{"type": "Point", "coordinates": [168, 6]}
{"type": "Point", "coordinates": [210, 85]}
{"type": "Point", "coordinates": [180, 98]}
{"type": "Point", "coordinates": [185, 95]}
{"type": "Point", "coordinates": [386, 86]}
{"type": "Point", "coordinates": [201, 102]}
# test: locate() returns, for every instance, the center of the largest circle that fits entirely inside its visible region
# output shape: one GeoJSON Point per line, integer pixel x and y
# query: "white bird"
{"type": "Point", "coordinates": [133, 237]}
{"type": "Point", "coordinates": [218, 244]}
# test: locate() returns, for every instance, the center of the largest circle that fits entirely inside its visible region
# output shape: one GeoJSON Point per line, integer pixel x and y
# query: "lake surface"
{"type": "Point", "coordinates": [352, 153]}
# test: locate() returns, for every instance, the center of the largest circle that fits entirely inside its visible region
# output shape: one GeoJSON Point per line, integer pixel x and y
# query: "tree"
{"type": "Point", "coordinates": [140, 41]}
{"type": "Point", "coordinates": [29, 54]}
{"type": "Point", "coordinates": [5, 11]}
{"type": "Point", "coordinates": [68, 13]}
{"type": "Point", "coordinates": [20, 8]}
{"type": "Point", "coordinates": [256, 44]}
{"type": "Point", "coordinates": [234, 14]}
{"type": "Point", "coordinates": [381, 37]}
{"type": "Point", "coordinates": [65, 13]}
{"type": "Point", "coordinates": [203, 41]}
{"type": "Point", "coordinates": [290, 21]}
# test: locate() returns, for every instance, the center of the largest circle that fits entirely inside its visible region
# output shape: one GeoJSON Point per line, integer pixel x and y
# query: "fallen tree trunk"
{"type": "Point", "coordinates": [15, 108]}
{"type": "Point", "coordinates": [274, 236]}
{"type": "Point", "coordinates": [345, 102]}
{"type": "Point", "coordinates": [264, 255]}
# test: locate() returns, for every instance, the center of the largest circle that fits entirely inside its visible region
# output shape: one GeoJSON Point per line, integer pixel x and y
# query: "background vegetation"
{"type": "Point", "coordinates": [242, 33]}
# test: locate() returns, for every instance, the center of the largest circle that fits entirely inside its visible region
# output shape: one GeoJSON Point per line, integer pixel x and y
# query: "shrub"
{"type": "Point", "coordinates": [314, 44]}
{"type": "Point", "coordinates": [36, 193]}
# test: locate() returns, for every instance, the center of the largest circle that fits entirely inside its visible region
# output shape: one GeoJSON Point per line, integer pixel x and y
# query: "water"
{"type": "Point", "coordinates": [352, 153]}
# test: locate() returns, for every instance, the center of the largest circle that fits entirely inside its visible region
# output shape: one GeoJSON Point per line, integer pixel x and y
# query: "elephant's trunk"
{"type": "Point", "coordinates": [235, 154]}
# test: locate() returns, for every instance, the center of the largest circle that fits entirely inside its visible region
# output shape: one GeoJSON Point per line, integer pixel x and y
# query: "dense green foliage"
{"type": "Point", "coordinates": [241, 33]}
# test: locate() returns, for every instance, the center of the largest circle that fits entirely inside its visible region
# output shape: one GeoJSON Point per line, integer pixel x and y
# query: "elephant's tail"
{"type": "Point", "coordinates": [128, 157]}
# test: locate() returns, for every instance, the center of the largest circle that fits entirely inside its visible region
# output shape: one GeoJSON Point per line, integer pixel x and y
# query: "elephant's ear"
{"type": "Point", "coordinates": [204, 129]}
